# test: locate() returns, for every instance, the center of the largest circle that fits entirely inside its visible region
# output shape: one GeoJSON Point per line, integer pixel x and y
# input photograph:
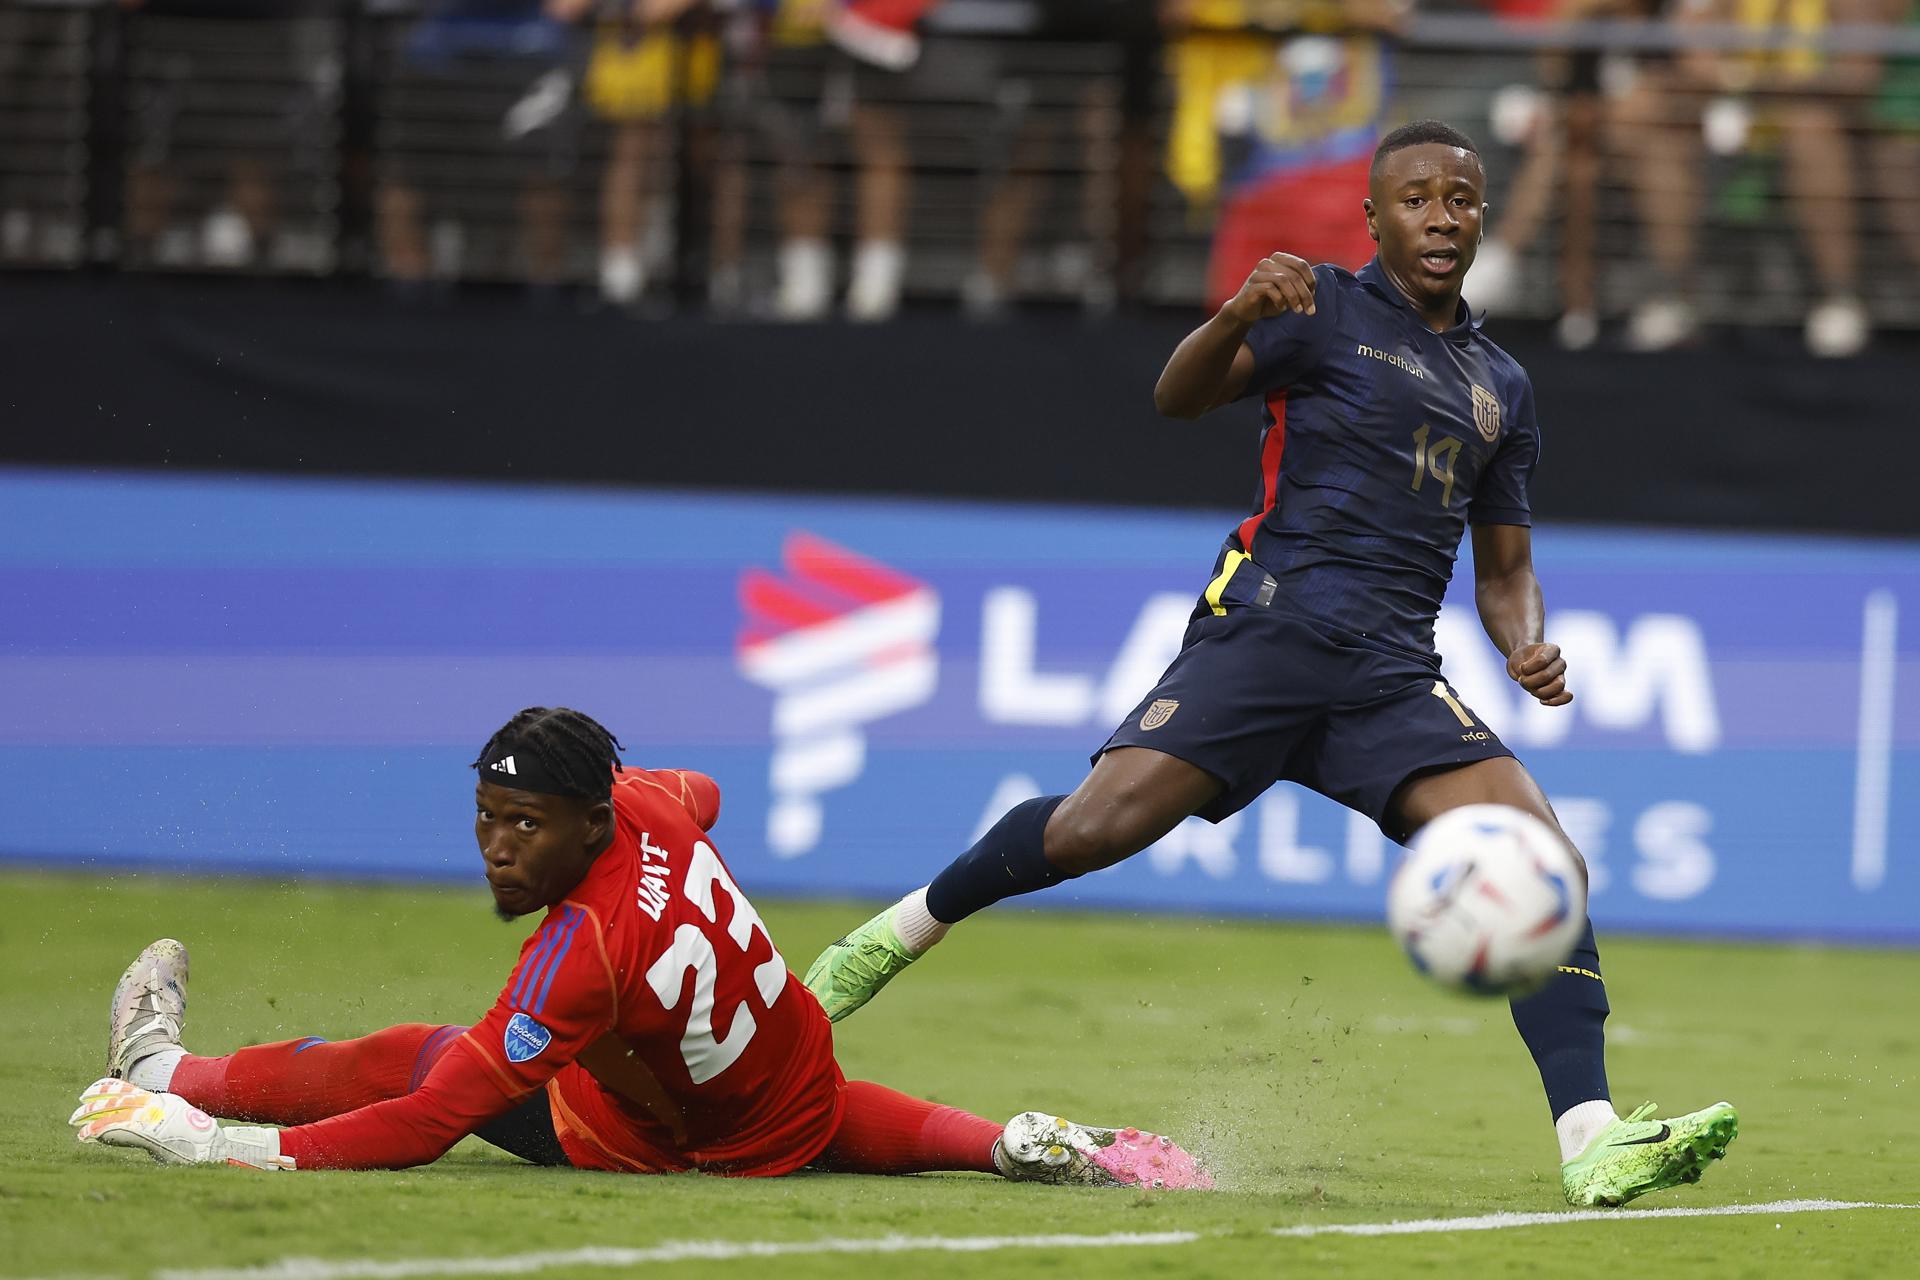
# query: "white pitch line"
{"type": "Point", "coordinates": [677, 1251]}
{"type": "Point", "coordinates": [731, 1250]}
{"type": "Point", "coordinates": [1507, 1221]}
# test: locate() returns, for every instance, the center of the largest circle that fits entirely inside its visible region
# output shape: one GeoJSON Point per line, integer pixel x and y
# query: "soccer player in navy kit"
{"type": "Point", "coordinates": [1392, 425]}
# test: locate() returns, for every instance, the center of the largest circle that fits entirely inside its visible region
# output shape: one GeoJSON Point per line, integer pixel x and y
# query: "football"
{"type": "Point", "coordinates": [1489, 900]}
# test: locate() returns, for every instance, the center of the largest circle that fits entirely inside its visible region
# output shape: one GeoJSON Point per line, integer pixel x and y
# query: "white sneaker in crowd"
{"type": "Point", "coordinates": [806, 280]}
{"type": "Point", "coordinates": [1660, 324]}
{"type": "Point", "coordinates": [1837, 328]}
{"type": "Point", "coordinates": [879, 267]}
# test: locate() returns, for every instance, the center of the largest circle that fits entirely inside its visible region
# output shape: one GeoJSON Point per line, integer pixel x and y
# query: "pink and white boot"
{"type": "Point", "coordinates": [1037, 1147]}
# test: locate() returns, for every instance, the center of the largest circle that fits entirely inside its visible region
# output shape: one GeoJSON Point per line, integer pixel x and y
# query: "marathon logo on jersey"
{"type": "Point", "coordinates": [1393, 358]}
{"type": "Point", "coordinates": [842, 640]}
{"type": "Point", "coordinates": [525, 1038]}
{"type": "Point", "coordinates": [1486, 413]}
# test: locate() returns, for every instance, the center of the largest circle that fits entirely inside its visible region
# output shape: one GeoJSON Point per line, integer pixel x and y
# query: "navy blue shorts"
{"type": "Point", "coordinates": [1258, 696]}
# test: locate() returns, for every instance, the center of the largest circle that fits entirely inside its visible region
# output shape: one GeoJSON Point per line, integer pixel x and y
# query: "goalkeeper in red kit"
{"type": "Point", "coordinates": [650, 1025]}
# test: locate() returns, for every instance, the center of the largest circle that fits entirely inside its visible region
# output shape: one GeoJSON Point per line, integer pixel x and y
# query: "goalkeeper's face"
{"type": "Point", "coordinates": [536, 847]}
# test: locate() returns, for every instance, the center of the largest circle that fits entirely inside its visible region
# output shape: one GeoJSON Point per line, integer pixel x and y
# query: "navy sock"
{"type": "Point", "coordinates": [1010, 859]}
{"type": "Point", "coordinates": [1564, 1025]}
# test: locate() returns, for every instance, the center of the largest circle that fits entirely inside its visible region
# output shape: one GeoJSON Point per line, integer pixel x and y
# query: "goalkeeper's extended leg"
{"type": "Point", "coordinates": [300, 1081]}
{"type": "Point", "coordinates": [885, 1131]}
{"type": "Point", "coordinates": [291, 1082]}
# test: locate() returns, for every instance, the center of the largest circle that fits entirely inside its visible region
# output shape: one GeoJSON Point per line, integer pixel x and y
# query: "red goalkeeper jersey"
{"type": "Point", "coordinates": [650, 1005]}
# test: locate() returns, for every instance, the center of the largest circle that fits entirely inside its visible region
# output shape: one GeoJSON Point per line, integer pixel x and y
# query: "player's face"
{"type": "Point", "coordinates": [1426, 208]}
{"type": "Point", "coordinates": [536, 847]}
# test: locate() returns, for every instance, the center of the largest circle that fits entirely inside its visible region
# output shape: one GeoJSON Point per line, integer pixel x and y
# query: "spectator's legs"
{"type": "Point", "coordinates": [543, 230]}
{"type": "Point", "coordinates": [149, 206]}
{"type": "Point", "coordinates": [726, 286]}
{"type": "Point", "coordinates": [1658, 133]}
{"type": "Point", "coordinates": [1004, 218]}
{"type": "Point", "coordinates": [1579, 299]}
{"type": "Point", "coordinates": [806, 259]}
{"type": "Point", "coordinates": [1518, 215]}
{"type": "Point", "coordinates": [398, 226]}
{"type": "Point", "coordinates": [1817, 168]}
{"type": "Point", "coordinates": [1896, 164]}
{"type": "Point", "coordinates": [880, 198]}
{"type": "Point", "coordinates": [234, 231]}
{"type": "Point", "coordinates": [622, 203]}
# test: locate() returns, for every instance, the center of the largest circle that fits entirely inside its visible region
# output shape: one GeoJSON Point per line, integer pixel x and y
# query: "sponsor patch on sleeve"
{"type": "Point", "coordinates": [525, 1038]}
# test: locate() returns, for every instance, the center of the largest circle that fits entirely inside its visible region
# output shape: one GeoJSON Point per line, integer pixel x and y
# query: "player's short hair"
{"type": "Point", "coordinates": [572, 753]}
{"type": "Point", "coordinates": [1419, 133]}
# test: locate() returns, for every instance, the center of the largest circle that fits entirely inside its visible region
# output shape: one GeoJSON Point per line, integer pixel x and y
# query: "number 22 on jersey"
{"type": "Point", "coordinates": [691, 949]}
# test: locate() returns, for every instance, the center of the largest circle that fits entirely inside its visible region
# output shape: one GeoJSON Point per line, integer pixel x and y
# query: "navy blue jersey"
{"type": "Point", "coordinates": [1383, 439]}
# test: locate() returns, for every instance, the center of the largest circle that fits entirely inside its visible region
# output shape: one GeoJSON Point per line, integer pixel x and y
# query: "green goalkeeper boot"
{"type": "Point", "coordinates": [1638, 1154]}
{"type": "Point", "coordinates": [851, 971]}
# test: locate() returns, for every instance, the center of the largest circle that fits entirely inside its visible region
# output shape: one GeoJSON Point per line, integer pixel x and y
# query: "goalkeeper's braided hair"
{"type": "Point", "coordinates": [571, 746]}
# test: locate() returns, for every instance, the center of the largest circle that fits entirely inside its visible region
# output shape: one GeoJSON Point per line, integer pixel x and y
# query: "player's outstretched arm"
{"type": "Point", "coordinates": [1507, 593]}
{"type": "Point", "coordinates": [1212, 365]}
{"type": "Point", "coordinates": [559, 1000]}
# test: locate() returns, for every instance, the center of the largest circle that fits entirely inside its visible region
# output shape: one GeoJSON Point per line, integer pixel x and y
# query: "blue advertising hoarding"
{"type": "Point", "coordinates": [292, 676]}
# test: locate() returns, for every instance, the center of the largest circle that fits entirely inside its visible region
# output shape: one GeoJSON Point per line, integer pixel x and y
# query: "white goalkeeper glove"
{"type": "Point", "coordinates": [170, 1129]}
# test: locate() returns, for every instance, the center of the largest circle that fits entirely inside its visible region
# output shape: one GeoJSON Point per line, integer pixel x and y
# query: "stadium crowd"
{"type": "Point", "coordinates": [1657, 165]}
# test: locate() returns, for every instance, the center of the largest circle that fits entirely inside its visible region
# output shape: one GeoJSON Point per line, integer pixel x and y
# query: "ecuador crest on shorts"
{"type": "Point", "coordinates": [525, 1038]}
{"type": "Point", "coordinates": [1159, 713]}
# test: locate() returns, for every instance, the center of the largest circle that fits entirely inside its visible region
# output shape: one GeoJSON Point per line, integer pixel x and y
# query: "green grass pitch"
{"type": "Point", "coordinates": [1327, 1083]}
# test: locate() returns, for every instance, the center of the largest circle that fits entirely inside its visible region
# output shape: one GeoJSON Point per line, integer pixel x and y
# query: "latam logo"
{"type": "Point", "coordinates": [842, 641]}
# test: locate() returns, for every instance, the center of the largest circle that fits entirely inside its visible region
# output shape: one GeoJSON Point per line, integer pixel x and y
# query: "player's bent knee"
{"type": "Point", "coordinates": [1087, 835]}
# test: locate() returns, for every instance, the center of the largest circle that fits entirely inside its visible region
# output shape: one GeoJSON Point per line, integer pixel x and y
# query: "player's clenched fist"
{"type": "Point", "coordinates": [1542, 672]}
{"type": "Point", "coordinates": [1280, 283]}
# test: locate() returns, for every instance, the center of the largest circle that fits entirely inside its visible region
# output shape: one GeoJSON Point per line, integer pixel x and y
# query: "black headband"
{"type": "Point", "coordinates": [512, 765]}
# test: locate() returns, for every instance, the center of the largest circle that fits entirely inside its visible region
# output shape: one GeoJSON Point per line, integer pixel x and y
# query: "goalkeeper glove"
{"type": "Point", "coordinates": [172, 1130]}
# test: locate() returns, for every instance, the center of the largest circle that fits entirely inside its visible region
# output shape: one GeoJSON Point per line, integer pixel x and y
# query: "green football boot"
{"type": "Point", "coordinates": [851, 972]}
{"type": "Point", "coordinates": [1638, 1154]}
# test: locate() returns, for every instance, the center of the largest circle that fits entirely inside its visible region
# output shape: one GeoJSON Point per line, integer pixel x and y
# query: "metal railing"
{"type": "Point", "coordinates": [1750, 173]}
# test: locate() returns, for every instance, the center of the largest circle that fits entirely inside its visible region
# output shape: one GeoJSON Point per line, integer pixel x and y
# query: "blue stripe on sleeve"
{"type": "Point", "coordinates": [535, 958]}
{"type": "Point", "coordinates": [566, 944]}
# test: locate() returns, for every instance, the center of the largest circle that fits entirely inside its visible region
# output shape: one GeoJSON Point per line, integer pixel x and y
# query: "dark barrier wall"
{"type": "Point", "coordinates": [346, 379]}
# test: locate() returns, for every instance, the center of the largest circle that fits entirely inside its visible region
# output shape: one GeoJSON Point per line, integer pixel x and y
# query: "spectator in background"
{"type": "Point", "coordinates": [1896, 143]}
{"type": "Point", "coordinates": [1559, 126]}
{"type": "Point", "coordinates": [750, 112]}
{"type": "Point", "coordinates": [1026, 146]}
{"type": "Point", "coordinates": [256, 154]}
{"type": "Point", "coordinates": [879, 44]}
{"type": "Point", "coordinates": [41, 81]}
{"type": "Point", "coordinates": [650, 57]}
{"type": "Point", "coordinates": [856, 52]}
{"type": "Point", "coordinates": [1275, 130]}
{"type": "Point", "coordinates": [1807, 103]}
{"type": "Point", "coordinates": [520, 62]}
